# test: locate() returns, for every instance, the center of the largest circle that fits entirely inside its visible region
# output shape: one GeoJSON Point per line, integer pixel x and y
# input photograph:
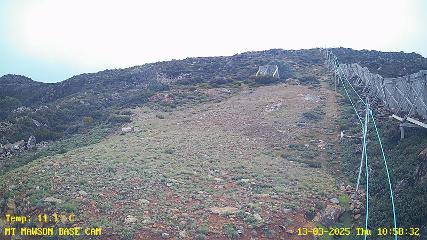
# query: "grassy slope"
{"type": "Point", "coordinates": [230, 153]}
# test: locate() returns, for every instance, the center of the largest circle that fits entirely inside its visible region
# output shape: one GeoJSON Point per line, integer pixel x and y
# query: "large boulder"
{"type": "Point", "coordinates": [127, 129]}
{"type": "Point", "coordinates": [330, 215]}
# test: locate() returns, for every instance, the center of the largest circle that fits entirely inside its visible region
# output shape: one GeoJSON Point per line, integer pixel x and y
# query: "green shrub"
{"type": "Point", "coordinates": [87, 120]}
{"type": "Point", "coordinates": [264, 80]}
{"type": "Point", "coordinates": [71, 206]}
{"type": "Point", "coordinates": [310, 213]}
{"type": "Point", "coordinates": [126, 112]}
{"type": "Point", "coordinates": [203, 229]}
{"type": "Point", "coordinates": [315, 115]}
{"type": "Point", "coordinates": [62, 151]}
{"type": "Point", "coordinates": [309, 80]}
{"type": "Point", "coordinates": [217, 81]}
{"type": "Point", "coordinates": [45, 134]}
{"type": "Point", "coordinates": [119, 119]}
{"type": "Point", "coordinates": [156, 86]}
{"type": "Point", "coordinates": [7, 104]}
{"type": "Point", "coordinates": [169, 151]}
{"type": "Point", "coordinates": [231, 230]}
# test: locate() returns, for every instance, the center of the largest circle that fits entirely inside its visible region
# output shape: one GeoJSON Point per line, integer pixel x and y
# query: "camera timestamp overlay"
{"type": "Point", "coordinates": [46, 225]}
{"type": "Point", "coordinates": [359, 231]}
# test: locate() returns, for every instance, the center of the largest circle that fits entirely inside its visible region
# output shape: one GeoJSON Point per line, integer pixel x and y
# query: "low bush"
{"type": "Point", "coordinates": [119, 119]}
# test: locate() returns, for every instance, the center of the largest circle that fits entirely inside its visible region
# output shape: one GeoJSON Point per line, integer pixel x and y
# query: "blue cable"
{"type": "Point", "coordinates": [366, 170]}
{"type": "Point", "coordinates": [388, 174]}
{"type": "Point", "coordinates": [349, 98]}
{"type": "Point", "coordinates": [364, 152]}
{"type": "Point", "coordinates": [358, 116]}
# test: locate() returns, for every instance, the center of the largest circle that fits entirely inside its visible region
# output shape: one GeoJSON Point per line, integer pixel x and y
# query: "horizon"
{"type": "Point", "coordinates": [47, 43]}
{"type": "Point", "coordinates": [108, 69]}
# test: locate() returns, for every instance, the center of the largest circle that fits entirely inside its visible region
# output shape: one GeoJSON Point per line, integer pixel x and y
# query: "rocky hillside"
{"type": "Point", "coordinates": [62, 106]}
{"type": "Point", "coordinates": [141, 160]}
{"type": "Point", "coordinates": [56, 111]}
{"type": "Point", "coordinates": [85, 102]}
{"type": "Point", "coordinates": [387, 64]}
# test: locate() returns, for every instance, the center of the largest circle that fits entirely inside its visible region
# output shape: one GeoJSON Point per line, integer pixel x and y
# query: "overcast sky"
{"type": "Point", "coordinates": [52, 40]}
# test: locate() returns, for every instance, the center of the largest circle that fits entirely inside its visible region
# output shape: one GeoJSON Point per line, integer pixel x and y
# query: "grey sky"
{"type": "Point", "coordinates": [51, 40]}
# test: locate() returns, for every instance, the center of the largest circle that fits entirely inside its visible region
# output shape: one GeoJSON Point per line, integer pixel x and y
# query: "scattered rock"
{"type": "Point", "coordinates": [262, 195]}
{"type": "Point", "coordinates": [19, 145]}
{"type": "Point", "coordinates": [274, 107]}
{"type": "Point", "coordinates": [218, 179]}
{"type": "Point", "coordinates": [223, 210]}
{"type": "Point", "coordinates": [53, 200]}
{"type": "Point", "coordinates": [287, 210]}
{"type": "Point", "coordinates": [356, 217]}
{"type": "Point", "coordinates": [127, 129]}
{"type": "Point", "coordinates": [334, 200]}
{"type": "Point", "coordinates": [83, 193]}
{"type": "Point", "coordinates": [258, 217]}
{"type": "Point", "coordinates": [182, 234]}
{"type": "Point", "coordinates": [312, 98]}
{"type": "Point", "coordinates": [292, 81]}
{"type": "Point", "coordinates": [165, 235]}
{"type": "Point", "coordinates": [147, 220]}
{"type": "Point", "coordinates": [143, 202]}
{"type": "Point", "coordinates": [130, 219]}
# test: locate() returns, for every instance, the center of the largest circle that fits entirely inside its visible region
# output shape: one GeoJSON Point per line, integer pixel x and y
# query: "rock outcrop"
{"type": "Point", "coordinates": [10, 149]}
{"type": "Point", "coordinates": [330, 214]}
